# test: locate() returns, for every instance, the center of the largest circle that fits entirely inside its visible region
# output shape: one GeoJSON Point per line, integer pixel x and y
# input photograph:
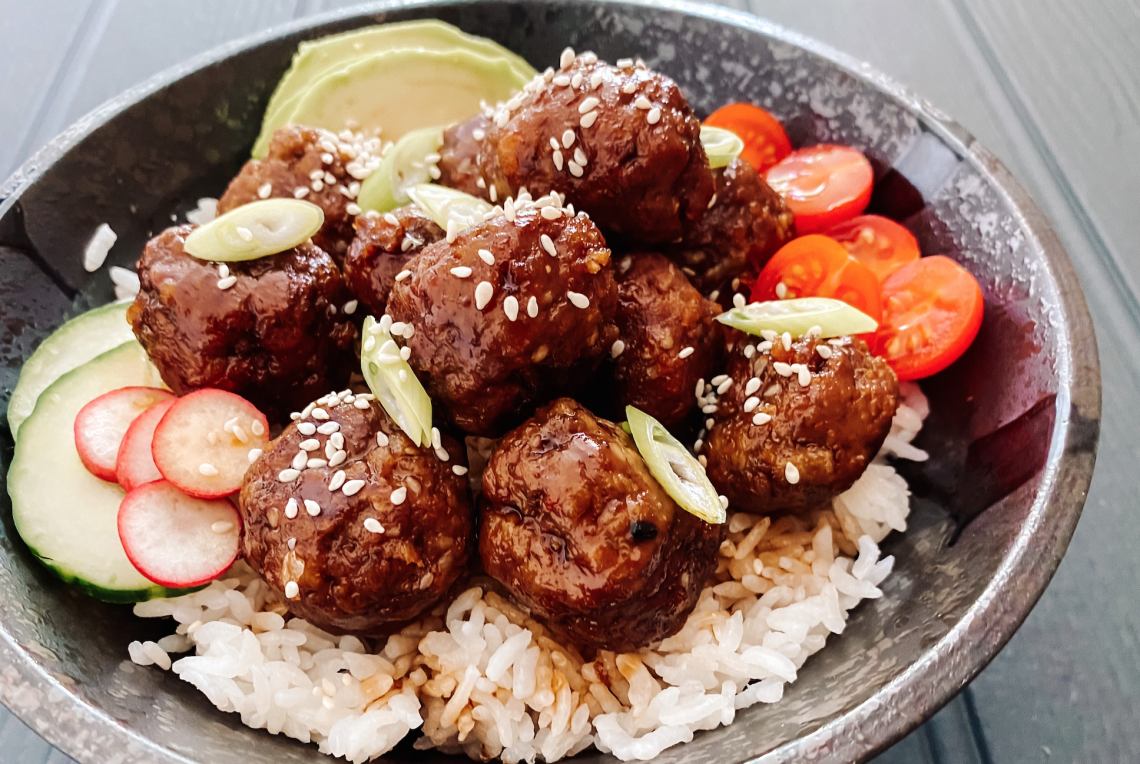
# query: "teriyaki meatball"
{"type": "Point", "coordinates": [511, 313]}
{"type": "Point", "coordinates": [382, 247]}
{"type": "Point", "coordinates": [272, 330]}
{"type": "Point", "coordinates": [359, 528]}
{"type": "Point", "coordinates": [668, 337]}
{"type": "Point", "coordinates": [575, 526]}
{"type": "Point", "coordinates": [800, 424]}
{"type": "Point", "coordinates": [620, 143]}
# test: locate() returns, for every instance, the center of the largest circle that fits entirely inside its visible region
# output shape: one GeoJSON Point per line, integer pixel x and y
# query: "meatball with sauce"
{"type": "Point", "coordinates": [669, 337]}
{"type": "Point", "coordinates": [620, 143]}
{"type": "Point", "coordinates": [358, 527]}
{"type": "Point", "coordinates": [510, 314]}
{"type": "Point", "coordinates": [780, 444]}
{"type": "Point", "coordinates": [382, 247]}
{"type": "Point", "coordinates": [738, 234]}
{"type": "Point", "coordinates": [272, 330]}
{"type": "Point", "coordinates": [575, 526]}
{"type": "Point", "coordinates": [312, 164]}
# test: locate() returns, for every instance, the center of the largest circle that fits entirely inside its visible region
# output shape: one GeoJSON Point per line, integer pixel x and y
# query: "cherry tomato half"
{"type": "Point", "coordinates": [817, 266]}
{"type": "Point", "coordinates": [765, 142]}
{"type": "Point", "coordinates": [879, 243]}
{"type": "Point", "coordinates": [823, 185]}
{"type": "Point", "coordinates": [932, 310]}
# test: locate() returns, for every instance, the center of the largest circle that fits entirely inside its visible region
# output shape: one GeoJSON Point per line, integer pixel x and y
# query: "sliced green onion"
{"type": "Point", "coordinates": [721, 146]}
{"type": "Point", "coordinates": [254, 230]}
{"type": "Point", "coordinates": [682, 476]}
{"type": "Point", "coordinates": [401, 395]}
{"type": "Point", "coordinates": [402, 167]}
{"type": "Point", "coordinates": [443, 204]}
{"type": "Point", "coordinates": [834, 318]}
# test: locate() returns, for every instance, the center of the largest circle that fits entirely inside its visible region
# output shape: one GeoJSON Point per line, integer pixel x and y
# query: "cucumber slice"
{"type": "Point", "coordinates": [66, 515]}
{"type": "Point", "coordinates": [387, 188]}
{"type": "Point", "coordinates": [394, 383]}
{"type": "Point", "coordinates": [682, 476]}
{"type": "Point", "coordinates": [257, 229]}
{"type": "Point", "coordinates": [443, 204]}
{"type": "Point", "coordinates": [834, 318]}
{"type": "Point", "coordinates": [75, 343]}
{"type": "Point", "coordinates": [721, 146]}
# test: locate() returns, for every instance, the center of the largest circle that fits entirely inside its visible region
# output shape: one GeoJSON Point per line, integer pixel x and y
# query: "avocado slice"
{"type": "Point", "coordinates": [318, 59]}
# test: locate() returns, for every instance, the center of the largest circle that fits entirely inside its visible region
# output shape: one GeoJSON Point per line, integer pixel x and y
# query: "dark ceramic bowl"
{"type": "Point", "coordinates": [1012, 432]}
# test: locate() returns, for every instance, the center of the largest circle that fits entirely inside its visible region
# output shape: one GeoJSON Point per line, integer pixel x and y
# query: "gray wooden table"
{"type": "Point", "coordinates": [1051, 86]}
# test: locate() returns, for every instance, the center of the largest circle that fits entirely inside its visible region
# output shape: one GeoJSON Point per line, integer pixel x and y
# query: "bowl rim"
{"type": "Point", "coordinates": [44, 703]}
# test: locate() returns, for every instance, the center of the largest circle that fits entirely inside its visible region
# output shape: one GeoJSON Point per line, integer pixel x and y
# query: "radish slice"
{"type": "Point", "coordinates": [135, 465]}
{"type": "Point", "coordinates": [202, 444]}
{"type": "Point", "coordinates": [101, 424]}
{"type": "Point", "coordinates": [177, 540]}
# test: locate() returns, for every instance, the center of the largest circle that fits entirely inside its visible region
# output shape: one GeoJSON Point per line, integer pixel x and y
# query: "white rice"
{"type": "Point", "coordinates": [97, 248]}
{"type": "Point", "coordinates": [480, 677]}
{"type": "Point", "coordinates": [126, 283]}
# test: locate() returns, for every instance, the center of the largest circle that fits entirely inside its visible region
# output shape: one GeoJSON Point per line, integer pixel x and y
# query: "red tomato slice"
{"type": "Point", "coordinates": [879, 243]}
{"type": "Point", "coordinates": [765, 142]}
{"type": "Point", "coordinates": [818, 266]}
{"type": "Point", "coordinates": [823, 185]}
{"type": "Point", "coordinates": [932, 310]}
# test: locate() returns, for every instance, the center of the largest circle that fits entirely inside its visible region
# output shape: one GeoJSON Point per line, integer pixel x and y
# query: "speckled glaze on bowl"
{"type": "Point", "coordinates": [1012, 433]}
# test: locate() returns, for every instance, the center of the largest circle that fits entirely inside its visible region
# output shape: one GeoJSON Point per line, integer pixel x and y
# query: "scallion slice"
{"type": "Point", "coordinates": [254, 230]}
{"type": "Point", "coordinates": [442, 204]}
{"type": "Point", "coordinates": [401, 395]}
{"type": "Point", "coordinates": [403, 166]}
{"type": "Point", "coordinates": [834, 317]}
{"type": "Point", "coordinates": [721, 146]}
{"type": "Point", "coordinates": [682, 476]}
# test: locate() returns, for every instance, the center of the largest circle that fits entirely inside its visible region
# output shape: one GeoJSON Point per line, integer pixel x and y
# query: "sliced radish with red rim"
{"type": "Point", "coordinates": [135, 465]}
{"type": "Point", "coordinates": [177, 540]}
{"type": "Point", "coordinates": [102, 423]}
{"type": "Point", "coordinates": [202, 443]}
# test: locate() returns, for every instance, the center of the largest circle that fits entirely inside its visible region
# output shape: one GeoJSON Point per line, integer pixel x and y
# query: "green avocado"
{"type": "Point", "coordinates": [317, 60]}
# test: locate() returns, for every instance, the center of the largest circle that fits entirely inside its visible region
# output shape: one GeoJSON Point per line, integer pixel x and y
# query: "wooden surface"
{"type": "Point", "coordinates": [1051, 86]}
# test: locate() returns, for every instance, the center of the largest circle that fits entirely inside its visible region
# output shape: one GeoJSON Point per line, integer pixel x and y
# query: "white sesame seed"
{"type": "Point", "coordinates": [554, 144]}
{"type": "Point", "coordinates": [763, 347]}
{"type": "Point", "coordinates": [642, 102]}
{"type": "Point", "coordinates": [221, 526]}
{"type": "Point", "coordinates": [381, 439]}
{"type": "Point", "coordinates": [685, 353]}
{"type": "Point", "coordinates": [403, 275]}
{"type": "Point", "coordinates": [824, 351]}
{"type": "Point", "coordinates": [579, 300]}
{"type": "Point", "coordinates": [435, 441]}
{"type": "Point", "coordinates": [588, 120]}
{"type": "Point", "coordinates": [244, 233]}
{"type": "Point", "coordinates": [786, 340]}
{"type": "Point", "coordinates": [312, 507]}
{"type": "Point", "coordinates": [566, 58]}
{"type": "Point", "coordinates": [723, 387]}
{"type": "Point", "coordinates": [372, 525]}
{"type": "Point", "coordinates": [300, 192]}
{"type": "Point", "coordinates": [337, 458]}
{"type": "Point", "coordinates": [749, 351]}
{"type": "Point", "coordinates": [405, 353]}
{"type": "Point", "coordinates": [568, 138]}
{"type": "Point", "coordinates": [493, 193]}
{"type": "Point", "coordinates": [319, 413]}
{"type": "Point", "coordinates": [752, 386]}
{"type": "Point", "coordinates": [207, 469]}
{"type": "Point", "coordinates": [781, 290]}
{"type": "Point", "coordinates": [772, 390]}
{"type": "Point", "coordinates": [291, 509]}
{"type": "Point", "coordinates": [337, 480]}
{"type": "Point", "coordinates": [328, 428]}
{"type": "Point", "coordinates": [511, 307]}
{"type": "Point", "coordinates": [700, 387]}
{"type": "Point", "coordinates": [576, 80]}
{"type": "Point", "coordinates": [791, 473]}
{"type": "Point", "coordinates": [390, 218]}
{"type": "Point", "coordinates": [751, 404]}
{"type": "Point", "coordinates": [587, 105]}
{"type": "Point", "coordinates": [761, 418]}
{"type": "Point", "coordinates": [478, 134]}
{"type": "Point", "coordinates": [739, 301]}
{"type": "Point", "coordinates": [654, 116]}
{"type": "Point", "coordinates": [337, 439]}
{"type": "Point", "coordinates": [532, 307]}
{"type": "Point", "coordinates": [624, 63]}
{"type": "Point", "coordinates": [264, 191]}
{"type": "Point", "coordinates": [452, 230]}
{"type": "Point", "coordinates": [816, 331]}
{"type": "Point", "coordinates": [709, 409]}
{"type": "Point", "coordinates": [254, 454]}
{"type": "Point", "coordinates": [306, 428]}
{"type": "Point", "coordinates": [461, 272]}
{"type": "Point", "coordinates": [718, 379]}
{"type": "Point", "coordinates": [442, 455]}
{"type": "Point", "coordinates": [712, 201]}
{"type": "Point", "coordinates": [353, 209]}
{"type": "Point", "coordinates": [257, 428]}
{"type": "Point", "coordinates": [617, 349]}
{"type": "Point", "coordinates": [709, 423]}
{"type": "Point", "coordinates": [486, 257]}
{"type": "Point", "coordinates": [292, 544]}
{"type": "Point", "coordinates": [783, 369]}
{"type": "Point", "coordinates": [580, 157]}
{"type": "Point", "coordinates": [548, 245]}
{"type": "Point", "coordinates": [317, 185]}
{"type": "Point", "coordinates": [312, 444]}
{"type": "Point", "coordinates": [291, 590]}
{"type": "Point", "coordinates": [629, 88]}
{"type": "Point", "coordinates": [805, 376]}
{"type": "Point", "coordinates": [227, 282]}
{"type": "Point", "coordinates": [769, 335]}
{"type": "Point", "coordinates": [315, 464]}
{"type": "Point", "coordinates": [397, 497]}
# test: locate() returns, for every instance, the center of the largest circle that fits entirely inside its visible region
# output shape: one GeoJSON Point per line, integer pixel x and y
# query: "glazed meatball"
{"type": "Point", "coordinates": [272, 331]}
{"type": "Point", "coordinates": [579, 531]}
{"type": "Point", "coordinates": [296, 155]}
{"type": "Point", "coordinates": [382, 247]}
{"type": "Point", "coordinates": [369, 527]}
{"type": "Point", "coordinates": [621, 144]}
{"type": "Point", "coordinates": [492, 341]}
{"type": "Point", "coordinates": [669, 337]}
{"type": "Point", "coordinates": [779, 444]}
{"type": "Point", "coordinates": [459, 157]}
{"type": "Point", "coordinates": [746, 224]}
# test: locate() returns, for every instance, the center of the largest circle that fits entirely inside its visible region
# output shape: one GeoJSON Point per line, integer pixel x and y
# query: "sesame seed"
{"type": "Point", "coordinates": [700, 387]}
{"type": "Point", "coordinates": [709, 423]}
{"type": "Point", "coordinates": [786, 340]}
{"type": "Point", "coordinates": [306, 428]}
{"type": "Point", "coordinates": [761, 418]}
{"type": "Point", "coordinates": [244, 233]}
{"type": "Point", "coordinates": [300, 192]}
{"type": "Point", "coordinates": [315, 464]}
{"type": "Point", "coordinates": [254, 454]}
{"type": "Point", "coordinates": [381, 439]}
{"type": "Point", "coordinates": [212, 438]}
{"type": "Point", "coordinates": [312, 444]}
{"type": "Point", "coordinates": [723, 387]}
{"type": "Point", "coordinates": [764, 346]}
{"type": "Point", "coordinates": [751, 404]}
{"type": "Point", "coordinates": [566, 58]}
{"type": "Point", "coordinates": [486, 257]}
{"type": "Point", "coordinates": [738, 301]}
{"type": "Point", "coordinates": [576, 80]}
{"type": "Point", "coordinates": [568, 139]}
{"type": "Point", "coordinates": [718, 379]}
{"type": "Point", "coordinates": [791, 473]}
{"type": "Point", "coordinates": [595, 80]}
{"type": "Point", "coordinates": [403, 274]}
{"type": "Point", "coordinates": [588, 120]}
{"type": "Point", "coordinates": [712, 201]}
{"type": "Point", "coordinates": [642, 103]}
{"type": "Point", "coordinates": [511, 307]}
{"type": "Point", "coordinates": [372, 525]}
{"type": "Point", "coordinates": [221, 526]}
{"type": "Point", "coordinates": [291, 590]}
{"type": "Point", "coordinates": [207, 469]}
{"type": "Point", "coordinates": [493, 193]}
{"type": "Point", "coordinates": [291, 509]}
{"type": "Point", "coordinates": [337, 480]}
{"type": "Point", "coordinates": [292, 544]}
{"type": "Point", "coordinates": [390, 218]}
{"type": "Point", "coordinates": [337, 439]}
{"type": "Point", "coordinates": [452, 230]}
{"type": "Point", "coordinates": [783, 369]}
{"type": "Point", "coordinates": [442, 455]}
{"type": "Point", "coordinates": [317, 185]}
{"type": "Point", "coordinates": [617, 349]}
{"type": "Point", "coordinates": [685, 353]}
{"type": "Point", "coordinates": [824, 351]}
{"type": "Point", "coordinates": [781, 290]}
{"type": "Point", "coordinates": [405, 354]}
{"type": "Point", "coordinates": [532, 307]}
{"type": "Point", "coordinates": [312, 507]}
{"type": "Point", "coordinates": [769, 335]}
{"type": "Point", "coordinates": [554, 144]}
{"type": "Point", "coordinates": [772, 390]}
{"type": "Point", "coordinates": [288, 476]}
{"type": "Point", "coordinates": [337, 458]}
{"type": "Point", "coordinates": [805, 376]}
{"type": "Point", "coordinates": [397, 496]}
{"type": "Point", "coordinates": [552, 213]}
{"type": "Point", "coordinates": [654, 116]}
{"type": "Point", "coordinates": [624, 63]}
{"type": "Point", "coordinates": [580, 156]}
{"type": "Point", "coordinates": [752, 386]}
{"type": "Point", "coordinates": [227, 282]}
{"type": "Point", "coordinates": [328, 428]}
{"type": "Point", "coordinates": [749, 351]}
{"type": "Point", "coordinates": [353, 209]}
{"type": "Point", "coordinates": [629, 88]}
{"type": "Point", "coordinates": [478, 135]}
{"type": "Point", "coordinates": [548, 245]}
{"type": "Point", "coordinates": [264, 191]}
{"type": "Point", "coordinates": [587, 105]}
{"type": "Point", "coordinates": [319, 413]}
{"type": "Point", "coordinates": [435, 441]}
{"type": "Point", "coordinates": [698, 445]}
{"type": "Point", "coordinates": [461, 271]}
{"type": "Point", "coordinates": [579, 300]}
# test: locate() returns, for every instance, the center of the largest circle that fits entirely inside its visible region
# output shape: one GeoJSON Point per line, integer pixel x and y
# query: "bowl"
{"type": "Point", "coordinates": [1012, 431]}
